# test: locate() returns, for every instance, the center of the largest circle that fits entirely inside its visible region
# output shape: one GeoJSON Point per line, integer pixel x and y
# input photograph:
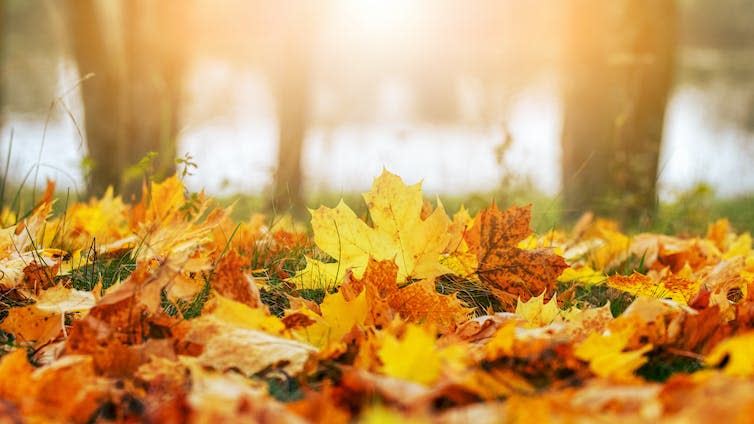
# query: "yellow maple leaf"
{"type": "Point", "coordinates": [719, 232]}
{"type": "Point", "coordinates": [244, 316]}
{"type": "Point", "coordinates": [413, 357]}
{"type": "Point", "coordinates": [179, 238]}
{"type": "Point", "coordinates": [606, 357]}
{"type": "Point", "coordinates": [619, 365]}
{"type": "Point", "coordinates": [501, 344]}
{"type": "Point", "coordinates": [104, 219]}
{"type": "Point", "coordinates": [614, 246]}
{"type": "Point", "coordinates": [462, 262]}
{"type": "Point", "coordinates": [597, 344]}
{"type": "Point", "coordinates": [741, 246]}
{"type": "Point", "coordinates": [399, 233]}
{"type": "Point", "coordinates": [583, 274]}
{"type": "Point", "coordinates": [164, 199]}
{"type": "Point", "coordinates": [740, 353]}
{"type": "Point", "coordinates": [458, 257]}
{"type": "Point", "coordinates": [536, 312]}
{"type": "Point", "coordinates": [338, 318]}
{"type": "Point", "coordinates": [675, 287]}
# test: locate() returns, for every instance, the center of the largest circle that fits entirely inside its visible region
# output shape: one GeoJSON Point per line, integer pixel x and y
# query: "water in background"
{"type": "Point", "coordinates": [235, 148]}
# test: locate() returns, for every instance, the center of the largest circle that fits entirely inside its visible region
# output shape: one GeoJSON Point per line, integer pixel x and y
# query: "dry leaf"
{"type": "Point", "coordinates": [399, 233]}
{"type": "Point", "coordinates": [512, 273]}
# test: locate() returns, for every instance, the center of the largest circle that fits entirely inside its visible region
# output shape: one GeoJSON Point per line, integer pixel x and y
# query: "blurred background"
{"type": "Point", "coordinates": [642, 110]}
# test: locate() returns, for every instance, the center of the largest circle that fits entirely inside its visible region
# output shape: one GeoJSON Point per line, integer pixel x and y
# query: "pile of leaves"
{"type": "Point", "coordinates": [169, 311]}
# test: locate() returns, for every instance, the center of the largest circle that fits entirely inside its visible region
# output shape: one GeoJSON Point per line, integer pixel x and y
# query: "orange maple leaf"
{"type": "Point", "coordinates": [231, 281]}
{"type": "Point", "coordinates": [416, 302]}
{"type": "Point", "coordinates": [675, 287]}
{"type": "Point", "coordinates": [511, 272]}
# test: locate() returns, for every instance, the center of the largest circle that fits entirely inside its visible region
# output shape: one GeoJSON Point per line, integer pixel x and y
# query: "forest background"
{"type": "Point", "coordinates": [638, 110]}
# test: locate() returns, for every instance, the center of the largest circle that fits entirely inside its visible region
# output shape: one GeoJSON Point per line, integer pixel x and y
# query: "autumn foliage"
{"type": "Point", "coordinates": [169, 311]}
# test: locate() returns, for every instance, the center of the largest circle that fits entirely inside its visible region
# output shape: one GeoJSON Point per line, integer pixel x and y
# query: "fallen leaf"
{"type": "Point", "coordinates": [399, 233]}
{"type": "Point", "coordinates": [677, 288]}
{"type": "Point", "coordinates": [509, 272]}
{"type": "Point", "coordinates": [338, 318]}
{"type": "Point", "coordinates": [230, 280]}
{"type": "Point", "coordinates": [31, 324]}
{"type": "Point", "coordinates": [735, 355]}
{"type": "Point", "coordinates": [241, 315]}
{"type": "Point", "coordinates": [62, 299]}
{"type": "Point", "coordinates": [226, 346]}
{"type": "Point", "coordinates": [413, 357]}
{"type": "Point", "coordinates": [104, 220]}
{"type": "Point", "coordinates": [582, 275]}
{"type": "Point", "coordinates": [536, 312]}
{"type": "Point", "coordinates": [417, 302]}
{"type": "Point", "coordinates": [606, 356]}
{"type": "Point", "coordinates": [501, 344]}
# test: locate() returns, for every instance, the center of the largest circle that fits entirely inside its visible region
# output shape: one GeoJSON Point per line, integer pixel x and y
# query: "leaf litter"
{"type": "Point", "coordinates": [168, 310]}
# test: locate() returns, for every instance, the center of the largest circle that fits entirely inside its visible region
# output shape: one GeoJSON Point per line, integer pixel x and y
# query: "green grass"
{"type": "Point", "coordinates": [693, 210]}
{"type": "Point", "coordinates": [662, 365]}
{"type": "Point", "coordinates": [109, 270]}
{"type": "Point", "coordinates": [545, 209]}
{"type": "Point", "coordinates": [688, 214]}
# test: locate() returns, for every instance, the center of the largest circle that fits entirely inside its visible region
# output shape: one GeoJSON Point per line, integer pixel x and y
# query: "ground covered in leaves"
{"type": "Point", "coordinates": [169, 311]}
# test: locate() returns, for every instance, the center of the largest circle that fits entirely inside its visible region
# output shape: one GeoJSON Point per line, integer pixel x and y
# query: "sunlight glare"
{"type": "Point", "coordinates": [378, 19]}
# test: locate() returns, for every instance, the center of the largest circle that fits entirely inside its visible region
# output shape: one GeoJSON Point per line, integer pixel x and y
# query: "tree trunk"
{"type": "Point", "coordinates": [291, 83]}
{"type": "Point", "coordinates": [648, 79]}
{"type": "Point", "coordinates": [619, 67]}
{"type": "Point", "coordinates": [131, 102]}
{"type": "Point", "coordinates": [155, 61]}
{"type": "Point", "coordinates": [292, 110]}
{"type": "Point", "coordinates": [100, 95]}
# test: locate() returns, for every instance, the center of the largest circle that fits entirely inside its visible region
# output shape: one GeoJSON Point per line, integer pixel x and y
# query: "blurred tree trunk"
{"type": "Point", "coordinates": [131, 101]}
{"type": "Point", "coordinates": [155, 55]}
{"type": "Point", "coordinates": [291, 87]}
{"type": "Point", "coordinates": [620, 58]}
{"type": "Point", "coordinates": [292, 84]}
{"type": "Point", "coordinates": [100, 94]}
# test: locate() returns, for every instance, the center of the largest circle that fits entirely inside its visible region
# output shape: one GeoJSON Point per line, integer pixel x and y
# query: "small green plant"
{"type": "Point", "coordinates": [187, 162]}
{"type": "Point", "coordinates": [144, 168]}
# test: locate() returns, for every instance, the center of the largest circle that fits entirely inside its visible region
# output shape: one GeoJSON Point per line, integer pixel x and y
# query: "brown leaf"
{"type": "Point", "coordinates": [230, 280]}
{"type": "Point", "coordinates": [297, 320]}
{"type": "Point", "coordinates": [325, 406]}
{"type": "Point", "coordinates": [700, 332]}
{"type": "Point", "coordinates": [38, 277]}
{"type": "Point", "coordinates": [510, 272]}
{"type": "Point", "coordinates": [416, 302]}
{"type": "Point", "coordinates": [30, 324]}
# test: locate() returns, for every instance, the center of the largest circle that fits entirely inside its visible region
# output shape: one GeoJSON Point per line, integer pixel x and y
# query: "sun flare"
{"type": "Point", "coordinates": [378, 18]}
